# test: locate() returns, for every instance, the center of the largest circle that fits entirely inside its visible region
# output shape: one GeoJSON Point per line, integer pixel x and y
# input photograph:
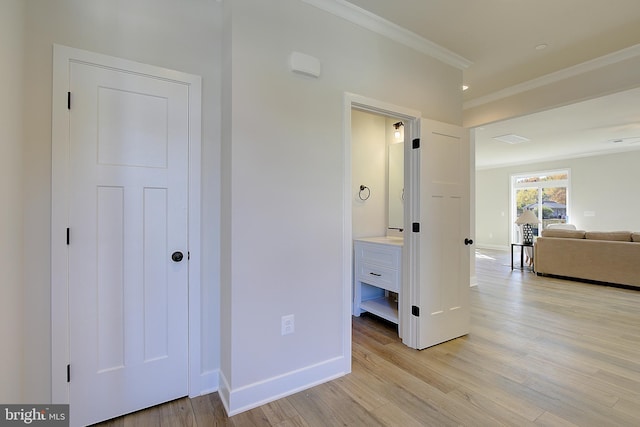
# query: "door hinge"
{"type": "Point", "coordinates": [68, 236]}
{"type": "Point", "coordinates": [415, 310]}
{"type": "Point", "coordinates": [415, 143]}
{"type": "Point", "coordinates": [68, 100]}
{"type": "Point", "coordinates": [68, 373]}
{"type": "Point", "coordinates": [188, 255]}
{"type": "Point", "coordinates": [415, 227]}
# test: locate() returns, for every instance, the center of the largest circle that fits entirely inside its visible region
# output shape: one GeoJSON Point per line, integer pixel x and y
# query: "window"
{"type": "Point", "coordinates": [544, 193]}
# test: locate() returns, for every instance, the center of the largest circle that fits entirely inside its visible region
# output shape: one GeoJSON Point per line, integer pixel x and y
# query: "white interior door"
{"type": "Point", "coordinates": [440, 251]}
{"type": "Point", "coordinates": [128, 199]}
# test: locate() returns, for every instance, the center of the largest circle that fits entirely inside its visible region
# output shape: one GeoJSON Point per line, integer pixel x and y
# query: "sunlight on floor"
{"type": "Point", "coordinates": [483, 256]}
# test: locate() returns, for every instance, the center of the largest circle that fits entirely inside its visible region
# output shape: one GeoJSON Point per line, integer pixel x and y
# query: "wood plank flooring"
{"type": "Point", "coordinates": [541, 352]}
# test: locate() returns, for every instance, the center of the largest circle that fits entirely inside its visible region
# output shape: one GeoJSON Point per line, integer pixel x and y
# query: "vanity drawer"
{"type": "Point", "coordinates": [376, 275]}
{"type": "Point", "coordinates": [378, 266]}
{"type": "Point", "coordinates": [382, 255]}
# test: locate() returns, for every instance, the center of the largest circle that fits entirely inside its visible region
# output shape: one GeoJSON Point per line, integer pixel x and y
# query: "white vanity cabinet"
{"type": "Point", "coordinates": [378, 270]}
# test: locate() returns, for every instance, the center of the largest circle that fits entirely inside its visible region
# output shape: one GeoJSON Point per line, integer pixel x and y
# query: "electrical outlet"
{"type": "Point", "coordinates": [287, 325]}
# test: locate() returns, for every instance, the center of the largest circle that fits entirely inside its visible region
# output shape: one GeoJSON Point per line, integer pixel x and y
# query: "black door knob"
{"type": "Point", "coordinates": [177, 256]}
{"type": "Point", "coordinates": [468, 241]}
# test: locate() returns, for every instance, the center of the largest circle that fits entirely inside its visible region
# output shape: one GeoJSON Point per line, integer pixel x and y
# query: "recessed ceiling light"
{"type": "Point", "coordinates": [511, 138]}
{"type": "Point", "coordinates": [464, 87]}
{"type": "Point", "coordinates": [541, 46]}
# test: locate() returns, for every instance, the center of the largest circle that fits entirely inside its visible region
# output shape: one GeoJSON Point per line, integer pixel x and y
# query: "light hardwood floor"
{"type": "Point", "coordinates": [543, 352]}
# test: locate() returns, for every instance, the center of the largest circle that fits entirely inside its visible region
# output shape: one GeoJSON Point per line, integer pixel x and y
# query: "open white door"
{"type": "Point", "coordinates": [439, 246]}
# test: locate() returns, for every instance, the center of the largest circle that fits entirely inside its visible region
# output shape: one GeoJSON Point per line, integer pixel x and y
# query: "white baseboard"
{"type": "Point", "coordinates": [253, 395]}
{"type": "Point", "coordinates": [493, 247]}
{"type": "Point", "coordinates": [473, 281]}
{"type": "Point", "coordinates": [223, 391]}
{"type": "Point", "coordinates": [209, 381]}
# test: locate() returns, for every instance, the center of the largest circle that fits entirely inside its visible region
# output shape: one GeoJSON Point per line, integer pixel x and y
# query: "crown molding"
{"type": "Point", "coordinates": [372, 22]}
{"type": "Point", "coordinates": [594, 64]}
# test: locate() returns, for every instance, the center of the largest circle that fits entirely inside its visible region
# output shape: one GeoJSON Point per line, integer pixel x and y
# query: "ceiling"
{"type": "Point", "coordinates": [607, 124]}
{"type": "Point", "coordinates": [502, 39]}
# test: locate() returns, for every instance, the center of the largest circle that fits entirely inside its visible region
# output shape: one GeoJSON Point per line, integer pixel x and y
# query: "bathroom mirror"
{"type": "Point", "coordinates": [396, 185]}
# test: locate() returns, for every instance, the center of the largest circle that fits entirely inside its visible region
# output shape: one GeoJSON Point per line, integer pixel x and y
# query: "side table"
{"type": "Point", "coordinates": [522, 246]}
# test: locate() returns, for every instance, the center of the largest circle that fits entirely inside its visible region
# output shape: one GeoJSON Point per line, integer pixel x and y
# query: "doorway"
{"type": "Point", "coordinates": [125, 277]}
{"type": "Point", "coordinates": [434, 285]}
{"type": "Point", "coordinates": [373, 194]}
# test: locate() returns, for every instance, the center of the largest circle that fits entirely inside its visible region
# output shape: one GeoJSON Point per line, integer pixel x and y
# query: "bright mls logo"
{"type": "Point", "coordinates": [34, 415]}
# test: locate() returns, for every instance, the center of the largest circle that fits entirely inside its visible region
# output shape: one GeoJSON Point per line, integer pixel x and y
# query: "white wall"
{"type": "Point", "coordinates": [369, 167]}
{"type": "Point", "coordinates": [184, 36]}
{"type": "Point", "coordinates": [371, 137]}
{"type": "Point", "coordinates": [283, 196]}
{"type": "Point", "coordinates": [11, 210]}
{"type": "Point", "coordinates": [606, 185]}
{"type": "Point", "coordinates": [492, 209]}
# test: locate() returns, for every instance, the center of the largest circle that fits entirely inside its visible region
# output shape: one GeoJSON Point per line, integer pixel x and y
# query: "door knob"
{"type": "Point", "coordinates": [468, 241]}
{"type": "Point", "coordinates": [177, 256]}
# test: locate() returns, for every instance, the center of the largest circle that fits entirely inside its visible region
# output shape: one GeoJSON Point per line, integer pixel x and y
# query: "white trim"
{"type": "Point", "coordinates": [492, 247]}
{"type": "Point", "coordinates": [62, 55]}
{"type": "Point", "coordinates": [594, 64]}
{"type": "Point", "coordinates": [194, 235]}
{"type": "Point", "coordinates": [224, 391]}
{"type": "Point", "coordinates": [209, 382]}
{"type": "Point", "coordinates": [347, 233]}
{"type": "Point", "coordinates": [412, 130]}
{"type": "Point", "coordinates": [374, 106]}
{"type": "Point", "coordinates": [59, 221]}
{"type": "Point", "coordinates": [262, 392]}
{"type": "Point", "coordinates": [473, 280]}
{"type": "Point", "coordinates": [372, 22]}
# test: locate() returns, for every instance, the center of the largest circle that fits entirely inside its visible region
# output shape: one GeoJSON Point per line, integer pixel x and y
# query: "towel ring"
{"type": "Point", "coordinates": [368, 192]}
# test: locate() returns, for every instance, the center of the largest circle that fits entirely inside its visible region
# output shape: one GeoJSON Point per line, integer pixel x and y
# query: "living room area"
{"type": "Point", "coordinates": [589, 150]}
{"type": "Point", "coordinates": [594, 147]}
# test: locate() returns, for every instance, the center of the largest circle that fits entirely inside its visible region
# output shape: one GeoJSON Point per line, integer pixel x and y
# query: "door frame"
{"type": "Point", "coordinates": [412, 130]}
{"type": "Point", "coordinates": [62, 56]}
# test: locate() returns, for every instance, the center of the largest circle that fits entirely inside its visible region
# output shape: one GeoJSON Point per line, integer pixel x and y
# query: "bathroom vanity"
{"type": "Point", "coordinates": [378, 276]}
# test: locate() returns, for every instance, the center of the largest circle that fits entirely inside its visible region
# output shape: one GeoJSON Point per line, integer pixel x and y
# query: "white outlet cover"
{"type": "Point", "coordinates": [288, 324]}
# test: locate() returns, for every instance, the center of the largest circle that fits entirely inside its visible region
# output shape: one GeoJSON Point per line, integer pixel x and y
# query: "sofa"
{"type": "Point", "coordinates": [611, 257]}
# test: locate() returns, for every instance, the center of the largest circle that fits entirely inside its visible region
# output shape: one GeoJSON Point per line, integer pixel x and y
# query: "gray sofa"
{"type": "Point", "coordinates": [611, 257]}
